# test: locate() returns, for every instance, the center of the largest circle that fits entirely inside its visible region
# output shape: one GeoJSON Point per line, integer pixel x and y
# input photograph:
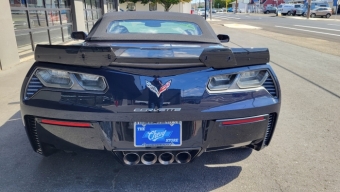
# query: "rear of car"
{"type": "Point", "coordinates": [300, 11]}
{"type": "Point", "coordinates": [296, 7]}
{"type": "Point", "coordinates": [203, 12]}
{"type": "Point", "coordinates": [150, 91]}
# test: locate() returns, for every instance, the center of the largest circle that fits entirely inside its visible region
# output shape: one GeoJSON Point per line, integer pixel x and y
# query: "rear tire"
{"type": "Point", "coordinates": [267, 12]}
{"type": "Point", "coordinates": [289, 13]}
{"type": "Point", "coordinates": [313, 15]}
{"type": "Point", "coordinates": [328, 15]}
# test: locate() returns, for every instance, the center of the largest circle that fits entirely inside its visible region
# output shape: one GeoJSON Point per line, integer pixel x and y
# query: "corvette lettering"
{"type": "Point", "coordinates": [156, 110]}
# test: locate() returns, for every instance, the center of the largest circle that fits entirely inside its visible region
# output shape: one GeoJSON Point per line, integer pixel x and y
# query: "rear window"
{"type": "Point", "coordinates": [153, 27]}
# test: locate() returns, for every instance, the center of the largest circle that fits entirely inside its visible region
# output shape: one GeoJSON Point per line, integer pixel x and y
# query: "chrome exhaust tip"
{"type": "Point", "coordinates": [131, 158]}
{"type": "Point", "coordinates": [149, 158]}
{"type": "Point", "coordinates": [166, 158]}
{"type": "Point", "coordinates": [183, 157]}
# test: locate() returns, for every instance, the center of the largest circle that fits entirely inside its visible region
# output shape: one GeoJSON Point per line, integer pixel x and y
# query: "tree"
{"type": "Point", "coordinates": [167, 4]}
{"type": "Point", "coordinates": [222, 3]}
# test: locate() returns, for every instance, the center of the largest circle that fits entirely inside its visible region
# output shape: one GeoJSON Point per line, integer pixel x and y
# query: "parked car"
{"type": "Point", "coordinates": [213, 11]}
{"type": "Point", "coordinates": [320, 12]}
{"type": "Point", "coordinates": [151, 105]}
{"type": "Point", "coordinates": [296, 6]}
{"type": "Point", "coordinates": [201, 12]}
{"type": "Point", "coordinates": [231, 9]}
{"type": "Point", "coordinates": [269, 9]}
{"type": "Point", "coordinates": [285, 9]}
{"type": "Point", "coordinates": [303, 10]}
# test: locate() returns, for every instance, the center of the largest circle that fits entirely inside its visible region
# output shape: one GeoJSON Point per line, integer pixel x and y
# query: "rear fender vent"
{"type": "Point", "coordinates": [33, 86]}
{"type": "Point", "coordinates": [270, 86]}
{"type": "Point", "coordinates": [33, 134]}
{"type": "Point", "coordinates": [270, 129]}
{"type": "Point", "coordinates": [205, 128]}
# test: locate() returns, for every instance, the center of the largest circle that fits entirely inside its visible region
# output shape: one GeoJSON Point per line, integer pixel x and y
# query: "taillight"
{"type": "Point", "coordinates": [241, 121]}
{"type": "Point", "coordinates": [67, 123]}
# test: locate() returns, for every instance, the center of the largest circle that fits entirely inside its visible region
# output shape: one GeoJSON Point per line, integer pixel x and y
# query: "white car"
{"type": "Point", "coordinates": [201, 12]}
{"type": "Point", "coordinates": [285, 9]}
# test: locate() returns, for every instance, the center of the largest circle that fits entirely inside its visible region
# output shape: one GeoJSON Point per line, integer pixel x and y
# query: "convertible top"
{"type": "Point", "coordinates": [99, 33]}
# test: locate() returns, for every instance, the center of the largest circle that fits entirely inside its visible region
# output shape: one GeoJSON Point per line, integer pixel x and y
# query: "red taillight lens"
{"type": "Point", "coordinates": [66, 123]}
{"type": "Point", "coordinates": [242, 121]}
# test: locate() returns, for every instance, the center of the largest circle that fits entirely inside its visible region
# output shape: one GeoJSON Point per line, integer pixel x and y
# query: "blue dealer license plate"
{"type": "Point", "coordinates": [148, 134]}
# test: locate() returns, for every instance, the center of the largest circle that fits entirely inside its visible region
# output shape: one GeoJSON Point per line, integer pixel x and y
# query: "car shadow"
{"type": "Point", "coordinates": [25, 170]}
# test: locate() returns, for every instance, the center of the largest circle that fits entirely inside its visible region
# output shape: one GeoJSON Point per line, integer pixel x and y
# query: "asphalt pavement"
{"type": "Point", "coordinates": [321, 28]}
{"type": "Point", "coordinates": [303, 155]}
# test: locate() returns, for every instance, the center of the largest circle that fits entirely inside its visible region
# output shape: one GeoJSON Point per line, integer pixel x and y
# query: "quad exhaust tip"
{"type": "Point", "coordinates": [131, 159]}
{"type": "Point", "coordinates": [166, 158]}
{"type": "Point", "coordinates": [183, 157]}
{"type": "Point", "coordinates": [149, 158]}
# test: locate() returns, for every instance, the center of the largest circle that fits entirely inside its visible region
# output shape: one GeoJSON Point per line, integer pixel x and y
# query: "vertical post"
{"type": "Point", "coordinates": [236, 6]}
{"type": "Point", "coordinates": [210, 9]}
{"type": "Point", "coordinates": [78, 18]}
{"type": "Point", "coordinates": [205, 9]}
{"type": "Point", "coordinates": [308, 9]}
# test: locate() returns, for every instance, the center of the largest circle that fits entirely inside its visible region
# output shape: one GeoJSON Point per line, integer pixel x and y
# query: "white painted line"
{"type": "Point", "coordinates": [334, 24]}
{"type": "Point", "coordinates": [14, 119]}
{"type": "Point", "coordinates": [241, 26]}
{"type": "Point", "coordinates": [234, 17]}
{"type": "Point", "coordinates": [317, 28]}
{"type": "Point", "coordinates": [308, 31]}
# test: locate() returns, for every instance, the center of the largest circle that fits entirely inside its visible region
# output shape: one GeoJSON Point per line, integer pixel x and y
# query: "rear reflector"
{"type": "Point", "coordinates": [241, 121]}
{"type": "Point", "coordinates": [66, 123]}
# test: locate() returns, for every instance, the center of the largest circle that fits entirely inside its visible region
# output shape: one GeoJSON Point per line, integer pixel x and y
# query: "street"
{"type": "Point", "coordinates": [303, 155]}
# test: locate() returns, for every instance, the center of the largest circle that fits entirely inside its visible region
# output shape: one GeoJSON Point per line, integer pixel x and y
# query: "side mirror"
{"type": "Point", "coordinates": [223, 38]}
{"type": "Point", "coordinates": [78, 35]}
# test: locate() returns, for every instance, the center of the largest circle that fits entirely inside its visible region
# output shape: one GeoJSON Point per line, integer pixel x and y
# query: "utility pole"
{"type": "Point", "coordinates": [308, 9]}
{"type": "Point", "coordinates": [236, 6]}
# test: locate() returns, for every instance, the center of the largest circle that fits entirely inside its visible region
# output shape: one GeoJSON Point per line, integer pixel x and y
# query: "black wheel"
{"type": "Point", "coordinates": [289, 13]}
{"type": "Point", "coordinates": [267, 12]}
{"type": "Point", "coordinates": [328, 15]}
{"type": "Point", "coordinates": [313, 15]}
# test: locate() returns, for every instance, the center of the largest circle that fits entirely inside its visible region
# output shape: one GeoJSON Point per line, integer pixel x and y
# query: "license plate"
{"type": "Point", "coordinates": [148, 134]}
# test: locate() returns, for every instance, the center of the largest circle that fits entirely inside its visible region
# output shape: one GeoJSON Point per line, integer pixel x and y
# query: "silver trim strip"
{"type": "Point", "coordinates": [220, 120]}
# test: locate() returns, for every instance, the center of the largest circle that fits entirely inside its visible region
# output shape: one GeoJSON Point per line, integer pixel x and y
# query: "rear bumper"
{"type": "Point", "coordinates": [201, 135]}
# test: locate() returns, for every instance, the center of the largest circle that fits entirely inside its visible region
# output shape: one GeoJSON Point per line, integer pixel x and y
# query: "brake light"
{"type": "Point", "coordinates": [242, 121]}
{"type": "Point", "coordinates": [67, 123]}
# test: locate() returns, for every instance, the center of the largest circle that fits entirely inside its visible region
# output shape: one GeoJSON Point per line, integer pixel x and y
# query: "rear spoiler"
{"type": "Point", "coordinates": [218, 58]}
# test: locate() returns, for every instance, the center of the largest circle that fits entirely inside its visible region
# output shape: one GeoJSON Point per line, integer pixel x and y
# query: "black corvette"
{"type": "Point", "coordinates": [152, 88]}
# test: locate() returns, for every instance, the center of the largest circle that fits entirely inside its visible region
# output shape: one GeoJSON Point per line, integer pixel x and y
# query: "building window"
{"type": "Point", "coordinates": [40, 22]}
{"type": "Point", "coordinates": [131, 7]}
{"type": "Point", "coordinates": [152, 6]}
{"type": "Point", "coordinates": [92, 12]}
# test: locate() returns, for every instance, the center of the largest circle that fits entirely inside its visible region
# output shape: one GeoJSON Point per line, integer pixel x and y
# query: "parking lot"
{"type": "Point", "coordinates": [303, 156]}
